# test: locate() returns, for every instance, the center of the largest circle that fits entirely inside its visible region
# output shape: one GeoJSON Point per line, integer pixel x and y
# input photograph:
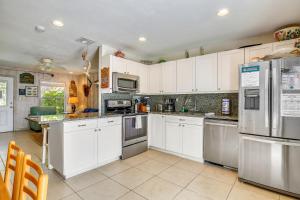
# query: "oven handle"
{"type": "Point", "coordinates": [133, 116]}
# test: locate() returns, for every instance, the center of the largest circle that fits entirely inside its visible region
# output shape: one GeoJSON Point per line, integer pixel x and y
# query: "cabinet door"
{"type": "Point", "coordinates": [80, 151]}
{"type": "Point", "coordinates": [228, 69]}
{"type": "Point", "coordinates": [207, 73]}
{"type": "Point", "coordinates": [109, 143]}
{"type": "Point", "coordinates": [118, 64]}
{"type": "Point", "coordinates": [259, 51]}
{"type": "Point", "coordinates": [157, 135]}
{"type": "Point", "coordinates": [132, 67]}
{"type": "Point", "coordinates": [186, 75]}
{"type": "Point", "coordinates": [277, 46]}
{"type": "Point", "coordinates": [169, 77]}
{"type": "Point", "coordinates": [155, 83]}
{"type": "Point", "coordinates": [144, 79]}
{"type": "Point", "coordinates": [173, 137]}
{"type": "Point", "coordinates": [192, 141]}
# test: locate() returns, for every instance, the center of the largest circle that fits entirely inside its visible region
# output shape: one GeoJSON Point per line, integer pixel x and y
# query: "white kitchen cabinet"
{"type": "Point", "coordinates": [207, 73]}
{"type": "Point", "coordinates": [192, 141]}
{"type": "Point", "coordinates": [132, 67]}
{"type": "Point", "coordinates": [258, 51]}
{"type": "Point", "coordinates": [109, 140]}
{"type": "Point", "coordinates": [79, 152]}
{"type": "Point", "coordinates": [155, 79]}
{"type": "Point", "coordinates": [157, 131]}
{"type": "Point", "coordinates": [277, 46]}
{"type": "Point", "coordinates": [186, 75]}
{"type": "Point", "coordinates": [228, 69]}
{"type": "Point", "coordinates": [169, 77]}
{"type": "Point", "coordinates": [143, 73]}
{"type": "Point", "coordinates": [173, 137]}
{"type": "Point", "coordinates": [118, 64]}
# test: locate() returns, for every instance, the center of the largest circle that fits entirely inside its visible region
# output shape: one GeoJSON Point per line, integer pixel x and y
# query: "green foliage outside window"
{"type": "Point", "coordinates": [54, 96]}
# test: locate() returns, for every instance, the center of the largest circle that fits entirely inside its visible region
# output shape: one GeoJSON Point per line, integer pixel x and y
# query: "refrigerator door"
{"type": "Point", "coordinates": [286, 98]}
{"type": "Point", "coordinates": [254, 99]}
{"type": "Point", "coordinates": [270, 162]}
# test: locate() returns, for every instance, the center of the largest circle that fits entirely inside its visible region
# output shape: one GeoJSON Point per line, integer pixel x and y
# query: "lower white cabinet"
{"type": "Point", "coordinates": [157, 131]}
{"type": "Point", "coordinates": [192, 140]}
{"type": "Point", "coordinates": [80, 151]}
{"type": "Point", "coordinates": [173, 137]}
{"type": "Point", "coordinates": [109, 142]}
{"type": "Point", "coordinates": [177, 134]}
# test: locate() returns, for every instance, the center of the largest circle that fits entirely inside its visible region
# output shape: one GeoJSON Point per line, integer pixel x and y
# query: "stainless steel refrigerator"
{"type": "Point", "coordinates": [269, 125]}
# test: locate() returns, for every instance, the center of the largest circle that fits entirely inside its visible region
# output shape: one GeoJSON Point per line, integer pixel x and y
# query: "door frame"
{"type": "Point", "coordinates": [13, 100]}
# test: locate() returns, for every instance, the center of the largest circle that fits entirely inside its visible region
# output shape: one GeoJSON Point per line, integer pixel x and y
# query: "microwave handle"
{"type": "Point", "coordinates": [124, 88]}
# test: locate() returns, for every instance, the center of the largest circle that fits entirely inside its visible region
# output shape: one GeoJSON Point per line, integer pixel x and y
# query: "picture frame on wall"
{"type": "Point", "coordinates": [22, 92]}
{"type": "Point", "coordinates": [26, 78]}
{"type": "Point", "coordinates": [31, 91]}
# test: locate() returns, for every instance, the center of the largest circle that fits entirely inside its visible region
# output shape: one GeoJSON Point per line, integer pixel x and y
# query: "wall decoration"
{"type": "Point", "coordinates": [72, 89]}
{"type": "Point", "coordinates": [105, 77]}
{"type": "Point", "coordinates": [22, 91]}
{"type": "Point", "coordinates": [26, 78]}
{"type": "Point", "coordinates": [31, 91]}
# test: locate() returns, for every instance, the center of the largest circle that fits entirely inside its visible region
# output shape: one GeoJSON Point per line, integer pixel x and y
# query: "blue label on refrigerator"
{"type": "Point", "coordinates": [250, 76]}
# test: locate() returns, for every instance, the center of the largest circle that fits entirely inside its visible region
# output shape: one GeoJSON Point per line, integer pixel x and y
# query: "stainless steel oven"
{"type": "Point", "coordinates": [135, 135]}
{"type": "Point", "coordinates": [125, 83]}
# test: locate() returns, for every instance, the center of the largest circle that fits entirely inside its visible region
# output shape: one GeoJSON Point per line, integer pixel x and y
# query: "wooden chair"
{"type": "Point", "coordinates": [38, 179]}
{"type": "Point", "coordinates": [14, 164]}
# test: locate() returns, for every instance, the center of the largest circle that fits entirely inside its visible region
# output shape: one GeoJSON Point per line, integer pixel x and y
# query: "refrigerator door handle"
{"type": "Point", "coordinates": [275, 106]}
{"type": "Point", "coordinates": [271, 141]}
{"type": "Point", "coordinates": [267, 97]}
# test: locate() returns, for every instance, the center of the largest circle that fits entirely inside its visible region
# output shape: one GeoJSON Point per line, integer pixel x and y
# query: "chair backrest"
{"type": "Point", "coordinates": [14, 163]}
{"type": "Point", "coordinates": [33, 173]}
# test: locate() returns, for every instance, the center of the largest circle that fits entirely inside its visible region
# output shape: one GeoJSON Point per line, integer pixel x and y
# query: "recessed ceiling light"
{"type": "Point", "coordinates": [58, 23]}
{"type": "Point", "coordinates": [223, 12]}
{"type": "Point", "coordinates": [142, 39]}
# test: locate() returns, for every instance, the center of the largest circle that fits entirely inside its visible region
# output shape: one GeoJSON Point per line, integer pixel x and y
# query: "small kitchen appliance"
{"type": "Point", "coordinates": [169, 105]}
{"type": "Point", "coordinates": [269, 124]}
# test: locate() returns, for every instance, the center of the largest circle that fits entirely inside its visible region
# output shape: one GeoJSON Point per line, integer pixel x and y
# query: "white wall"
{"type": "Point", "coordinates": [22, 104]}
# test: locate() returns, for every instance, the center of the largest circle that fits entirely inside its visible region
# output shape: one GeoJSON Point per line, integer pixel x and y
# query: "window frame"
{"type": "Point", "coordinates": [53, 84]}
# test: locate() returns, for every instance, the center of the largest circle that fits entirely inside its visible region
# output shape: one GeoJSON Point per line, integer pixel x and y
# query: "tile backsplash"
{"type": "Point", "coordinates": [204, 102]}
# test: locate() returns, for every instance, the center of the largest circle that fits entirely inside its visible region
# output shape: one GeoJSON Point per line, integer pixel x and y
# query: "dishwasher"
{"type": "Point", "coordinates": [221, 142]}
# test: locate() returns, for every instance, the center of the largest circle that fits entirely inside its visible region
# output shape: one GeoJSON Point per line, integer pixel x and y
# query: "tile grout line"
{"type": "Point", "coordinates": [231, 188]}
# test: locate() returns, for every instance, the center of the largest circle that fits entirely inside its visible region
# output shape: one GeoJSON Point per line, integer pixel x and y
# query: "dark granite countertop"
{"type": "Point", "coordinates": [198, 114]}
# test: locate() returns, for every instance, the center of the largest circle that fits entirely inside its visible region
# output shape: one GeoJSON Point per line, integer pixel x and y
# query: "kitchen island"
{"type": "Point", "coordinates": [81, 142]}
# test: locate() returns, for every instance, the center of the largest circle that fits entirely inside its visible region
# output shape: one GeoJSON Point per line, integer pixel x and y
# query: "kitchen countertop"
{"type": "Point", "coordinates": [198, 114]}
{"type": "Point", "coordinates": [48, 119]}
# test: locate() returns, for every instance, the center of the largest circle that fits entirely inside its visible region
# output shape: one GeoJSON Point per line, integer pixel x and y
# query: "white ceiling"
{"type": "Point", "coordinates": [169, 26]}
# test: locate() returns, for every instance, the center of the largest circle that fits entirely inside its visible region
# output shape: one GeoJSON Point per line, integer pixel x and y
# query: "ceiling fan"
{"type": "Point", "coordinates": [47, 65]}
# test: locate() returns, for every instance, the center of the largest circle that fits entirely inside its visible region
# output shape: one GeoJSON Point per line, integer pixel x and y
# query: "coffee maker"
{"type": "Point", "coordinates": [169, 105]}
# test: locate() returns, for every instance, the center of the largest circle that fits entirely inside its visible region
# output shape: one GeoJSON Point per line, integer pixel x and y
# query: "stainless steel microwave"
{"type": "Point", "coordinates": [125, 83]}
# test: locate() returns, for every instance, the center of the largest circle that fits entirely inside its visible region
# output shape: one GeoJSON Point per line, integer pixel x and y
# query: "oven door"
{"type": "Point", "coordinates": [131, 134]}
{"type": "Point", "coordinates": [125, 83]}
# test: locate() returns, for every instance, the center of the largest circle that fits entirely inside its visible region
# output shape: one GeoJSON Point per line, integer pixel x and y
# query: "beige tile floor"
{"type": "Point", "coordinates": [152, 175]}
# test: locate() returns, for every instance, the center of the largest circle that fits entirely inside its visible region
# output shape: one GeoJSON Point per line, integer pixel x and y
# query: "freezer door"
{"type": "Point", "coordinates": [254, 99]}
{"type": "Point", "coordinates": [270, 162]}
{"type": "Point", "coordinates": [286, 98]}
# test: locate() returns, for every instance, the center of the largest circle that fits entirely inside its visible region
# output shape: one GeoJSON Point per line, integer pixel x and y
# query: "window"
{"type": "Point", "coordinates": [53, 94]}
{"type": "Point", "coordinates": [3, 90]}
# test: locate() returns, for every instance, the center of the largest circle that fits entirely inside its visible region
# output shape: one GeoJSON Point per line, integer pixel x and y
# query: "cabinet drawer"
{"type": "Point", "coordinates": [79, 125]}
{"type": "Point", "coordinates": [109, 121]}
{"type": "Point", "coordinates": [185, 120]}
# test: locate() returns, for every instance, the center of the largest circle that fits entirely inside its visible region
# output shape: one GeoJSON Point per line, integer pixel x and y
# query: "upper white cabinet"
{"type": "Point", "coordinates": [155, 80]}
{"type": "Point", "coordinates": [228, 69]}
{"type": "Point", "coordinates": [143, 73]}
{"type": "Point", "coordinates": [169, 77]}
{"type": "Point", "coordinates": [206, 73]}
{"type": "Point", "coordinates": [118, 64]}
{"type": "Point", "coordinates": [133, 67]}
{"type": "Point", "coordinates": [257, 52]}
{"type": "Point", "coordinates": [284, 44]}
{"type": "Point", "coordinates": [186, 75]}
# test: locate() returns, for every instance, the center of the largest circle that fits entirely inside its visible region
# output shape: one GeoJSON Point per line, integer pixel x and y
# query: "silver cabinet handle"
{"type": "Point", "coordinates": [110, 121]}
{"type": "Point", "coordinates": [219, 124]}
{"type": "Point", "coordinates": [271, 141]}
{"type": "Point", "coordinates": [81, 125]}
